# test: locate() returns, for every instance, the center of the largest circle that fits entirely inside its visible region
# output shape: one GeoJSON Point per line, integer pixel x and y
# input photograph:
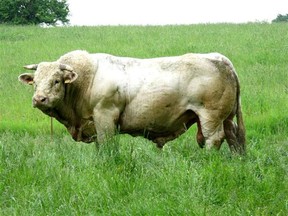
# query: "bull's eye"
{"type": "Point", "coordinates": [56, 82]}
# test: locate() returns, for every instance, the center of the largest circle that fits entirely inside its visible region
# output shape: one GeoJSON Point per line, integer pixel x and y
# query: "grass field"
{"type": "Point", "coordinates": [130, 176]}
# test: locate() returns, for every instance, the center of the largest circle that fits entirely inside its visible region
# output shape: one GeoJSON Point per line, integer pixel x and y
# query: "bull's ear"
{"type": "Point", "coordinates": [70, 77]}
{"type": "Point", "coordinates": [26, 78]}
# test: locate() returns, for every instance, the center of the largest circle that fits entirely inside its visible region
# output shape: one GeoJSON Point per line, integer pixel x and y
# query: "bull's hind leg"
{"type": "Point", "coordinates": [212, 131]}
{"type": "Point", "coordinates": [230, 129]}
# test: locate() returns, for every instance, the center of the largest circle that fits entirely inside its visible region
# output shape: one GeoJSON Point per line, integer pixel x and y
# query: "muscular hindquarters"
{"type": "Point", "coordinates": [218, 102]}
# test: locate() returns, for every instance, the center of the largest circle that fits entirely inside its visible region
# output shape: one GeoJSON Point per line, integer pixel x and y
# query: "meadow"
{"type": "Point", "coordinates": [130, 176]}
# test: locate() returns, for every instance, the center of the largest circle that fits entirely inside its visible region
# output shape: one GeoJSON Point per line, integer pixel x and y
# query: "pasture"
{"type": "Point", "coordinates": [130, 176]}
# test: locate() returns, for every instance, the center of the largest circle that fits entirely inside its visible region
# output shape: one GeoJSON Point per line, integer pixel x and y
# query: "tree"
{"type": "Point", "coordinates": [25, 12]}
{"type": "Point", "coordinates": [281, 18]}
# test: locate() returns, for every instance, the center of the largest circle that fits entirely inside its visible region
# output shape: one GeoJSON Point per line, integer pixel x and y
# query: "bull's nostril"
{"type": "Point", "coordinates": [43, 99]}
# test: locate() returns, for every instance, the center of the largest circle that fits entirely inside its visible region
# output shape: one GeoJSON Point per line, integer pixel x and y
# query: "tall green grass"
{"type": "Point", "coordinates": [130, 176]}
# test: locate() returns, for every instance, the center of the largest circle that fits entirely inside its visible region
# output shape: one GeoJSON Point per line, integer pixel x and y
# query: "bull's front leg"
{"type": "Point", "coordinates": [106, 123]}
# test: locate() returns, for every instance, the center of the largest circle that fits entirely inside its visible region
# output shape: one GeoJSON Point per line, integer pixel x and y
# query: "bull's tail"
{"type": "Point", "coordinates": [240, 131]}
{"type": "Point", "coordinates": [237, 141]}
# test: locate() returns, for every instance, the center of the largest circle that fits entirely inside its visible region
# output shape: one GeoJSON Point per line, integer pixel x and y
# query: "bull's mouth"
{"type": "Point", "coordinates": [46, 110]}
{"type": "Point", "coordinates": [42, 107]}
{"type": "Point", "coordinates": [39, 106]}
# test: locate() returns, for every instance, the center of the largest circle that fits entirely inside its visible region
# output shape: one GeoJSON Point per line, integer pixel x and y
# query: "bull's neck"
{"type": "Point", "coordinates": [68, 111]}
{"type": "Point", "coordinates": [66, 114]}
{"type": "Point", "coordinates": [71, 106]}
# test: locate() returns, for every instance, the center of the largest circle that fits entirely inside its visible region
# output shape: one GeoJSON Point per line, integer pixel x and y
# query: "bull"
{"type": "Point", "coordinates": [96, 95]}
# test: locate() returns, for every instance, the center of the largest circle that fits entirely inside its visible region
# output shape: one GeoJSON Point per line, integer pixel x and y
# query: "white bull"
{"type": "Point", "coordinates": [94, 95]}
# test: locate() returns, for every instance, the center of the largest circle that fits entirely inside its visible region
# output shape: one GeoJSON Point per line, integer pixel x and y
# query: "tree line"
{"type": "Point", "coordinates": [281, 18]}
{"type": "Point", "coordinates": [29, 12]}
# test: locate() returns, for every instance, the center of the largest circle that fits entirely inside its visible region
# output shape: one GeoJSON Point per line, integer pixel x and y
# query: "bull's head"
{"type": "Point", "coordinates": [49, 82]}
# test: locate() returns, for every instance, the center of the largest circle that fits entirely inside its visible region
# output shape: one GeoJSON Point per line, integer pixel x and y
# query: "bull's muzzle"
{"type": "Point", "coordinates": [39, 101]}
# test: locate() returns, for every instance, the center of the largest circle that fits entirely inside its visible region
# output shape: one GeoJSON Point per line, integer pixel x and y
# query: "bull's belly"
{"type": "Point", "coordinates": [155, 124]}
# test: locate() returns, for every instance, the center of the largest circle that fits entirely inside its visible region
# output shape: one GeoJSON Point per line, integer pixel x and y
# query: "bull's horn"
{"type": "Point", "coordinates": [31, 67]}
{"type": "Point", "coordinates": [65, 67]}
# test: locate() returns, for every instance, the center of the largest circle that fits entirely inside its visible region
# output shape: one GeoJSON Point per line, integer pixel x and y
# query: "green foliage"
{"type": "Point", "coordinates": [26, 12]}
{"type": "Point", "coordinates": [281, 18]}
{"type": "Point", "coordinates": [130, 176]}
